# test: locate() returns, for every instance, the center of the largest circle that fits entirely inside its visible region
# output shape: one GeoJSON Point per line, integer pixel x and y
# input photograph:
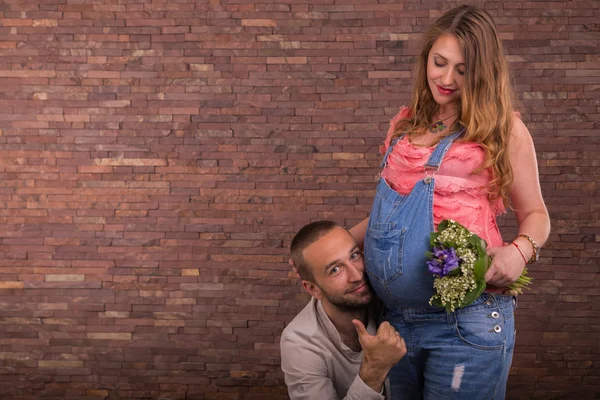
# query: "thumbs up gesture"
{"type": "Point", "coordinates": [380, 352]}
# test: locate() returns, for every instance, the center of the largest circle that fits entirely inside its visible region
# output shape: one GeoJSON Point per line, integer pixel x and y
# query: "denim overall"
{"type": "Point", "coordinates": [462, 355]}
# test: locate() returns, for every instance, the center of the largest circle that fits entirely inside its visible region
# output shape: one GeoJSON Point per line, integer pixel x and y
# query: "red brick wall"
{"type": "Point", "coordinates": [157, 156]}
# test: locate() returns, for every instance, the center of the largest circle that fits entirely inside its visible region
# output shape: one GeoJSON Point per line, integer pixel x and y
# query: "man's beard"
{"type": "Point", "coordinates": [350, 303]}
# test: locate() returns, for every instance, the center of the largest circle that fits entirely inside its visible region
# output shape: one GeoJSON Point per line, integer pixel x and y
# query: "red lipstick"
{"type": "Point", "coordinates": [445, 92]}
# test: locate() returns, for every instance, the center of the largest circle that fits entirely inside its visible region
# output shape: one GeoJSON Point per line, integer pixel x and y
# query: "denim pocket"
{"type": "Point", "coordinates": [485, 328]}
{"type": "Point", "coordinates": [383, 256]}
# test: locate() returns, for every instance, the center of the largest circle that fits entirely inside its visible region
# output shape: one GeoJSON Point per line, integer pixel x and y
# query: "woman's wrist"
{"type": "Point", "coordinates": [535, 250]}
{"type": "Point", "coordinates": [519, 250]}
{"type": "Point", "coordinates": [524, 246]}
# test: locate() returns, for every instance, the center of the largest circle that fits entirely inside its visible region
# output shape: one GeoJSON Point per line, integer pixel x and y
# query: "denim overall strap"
{"type": "Point", "coordinates": [389, 150]}
{"type": "Point", "coordinates": [440, 150]}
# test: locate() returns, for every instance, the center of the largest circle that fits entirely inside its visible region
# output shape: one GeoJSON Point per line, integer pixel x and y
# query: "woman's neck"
{"type": "Point", "coordinates": [446, 110]}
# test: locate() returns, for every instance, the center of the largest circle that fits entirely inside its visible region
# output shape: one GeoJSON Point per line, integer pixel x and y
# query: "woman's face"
{"type": "Point", "coordinates": [446, 70]}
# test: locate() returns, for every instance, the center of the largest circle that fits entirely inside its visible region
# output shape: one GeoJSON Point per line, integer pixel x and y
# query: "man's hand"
{"type": "Point", "coordinates": [380, 353]}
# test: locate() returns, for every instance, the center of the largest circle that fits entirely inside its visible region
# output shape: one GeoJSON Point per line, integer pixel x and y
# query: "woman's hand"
{"type": "Point", "coordinates": [506, 266]}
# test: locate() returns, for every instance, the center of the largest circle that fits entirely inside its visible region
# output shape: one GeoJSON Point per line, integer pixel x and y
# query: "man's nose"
{"type": "Point", "coordinates": [355, 273]}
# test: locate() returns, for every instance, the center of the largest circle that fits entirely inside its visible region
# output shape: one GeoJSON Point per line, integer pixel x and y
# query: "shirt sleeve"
{"type": "Point", "coordinates": [359, 390]}
{"type": "Point", "coordinates": [307, 378]}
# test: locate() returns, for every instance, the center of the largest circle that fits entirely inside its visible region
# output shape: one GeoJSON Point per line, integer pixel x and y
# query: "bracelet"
{"type": "Point", "coordinates": [520, 252]}
{"type": "Point", "coordinates": [536, 250]}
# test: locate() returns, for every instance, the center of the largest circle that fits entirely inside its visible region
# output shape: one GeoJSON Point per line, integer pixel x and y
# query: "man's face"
{"type": "Point", "coordinates": [339, 271]}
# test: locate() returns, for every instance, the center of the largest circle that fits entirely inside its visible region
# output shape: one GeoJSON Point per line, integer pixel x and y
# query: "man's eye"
{"type": "Point", "coordinates": [334, 270]}
{"type": "Point", "coordinates": [356, 255]}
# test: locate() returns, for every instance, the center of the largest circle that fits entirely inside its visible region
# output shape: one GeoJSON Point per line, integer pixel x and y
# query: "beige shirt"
{"type": "Point", "coordinates": [315, 362]}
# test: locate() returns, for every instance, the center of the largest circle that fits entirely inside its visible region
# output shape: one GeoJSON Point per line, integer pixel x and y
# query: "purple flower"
{"type": "Point", "coordinates": [443, 261]}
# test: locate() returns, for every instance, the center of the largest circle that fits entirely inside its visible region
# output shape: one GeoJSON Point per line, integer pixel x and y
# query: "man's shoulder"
{"type": "Point", "coordinates": [304, 344]}
{"type": "Point", "coordinates": [306, 333]}
{"type": "Point", "coordinates": [305, 323]}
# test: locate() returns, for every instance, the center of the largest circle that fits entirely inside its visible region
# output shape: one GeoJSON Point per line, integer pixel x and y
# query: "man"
{"type": "Point", "coordinates": [326, 351]}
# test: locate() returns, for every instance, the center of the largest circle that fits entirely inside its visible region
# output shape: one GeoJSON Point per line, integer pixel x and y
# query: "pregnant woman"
{"type": "Point", "coordinates": [458, 151]}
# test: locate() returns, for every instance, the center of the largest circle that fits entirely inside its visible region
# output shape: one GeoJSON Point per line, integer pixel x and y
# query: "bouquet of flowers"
{"type": "Point", "coordinates": [459, 261]}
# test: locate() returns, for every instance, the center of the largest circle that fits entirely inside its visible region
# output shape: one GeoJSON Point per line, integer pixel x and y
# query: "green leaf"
{"type": "Point", "coordinates": [481, 267]}
{"type": "Point", "coordinates": [478, 244]}
{"type": "Point", "coordinates": [474, 240]}
{"type": "Point", "coordinates": [481, 247]}
{"type": "Point", "coordinates": [429, 255]}
{"type": "Point", "coordinates": [443, 225]}
{"type": "Point", "coordinates": [483, 243]}
{"type": "Point", "coordinates": [437, 302]}
{"type": "Point", "coordinates": [433, 239]}
{"type": "Point", "coordinates": [454, 272]}
{"type": "Point", "coordinates": [473, 294]}
{"type": "Point", "coordinates": [449, 244]}
{"type": "Point", "coordinates": [448, 308]}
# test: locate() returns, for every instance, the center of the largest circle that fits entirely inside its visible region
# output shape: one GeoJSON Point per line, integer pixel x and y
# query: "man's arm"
{"type": "Point", "coordinates": [307, 378]}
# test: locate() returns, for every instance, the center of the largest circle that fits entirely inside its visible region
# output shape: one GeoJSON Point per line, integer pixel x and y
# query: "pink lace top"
{"type": "Point", "coordinates": [459, 194]}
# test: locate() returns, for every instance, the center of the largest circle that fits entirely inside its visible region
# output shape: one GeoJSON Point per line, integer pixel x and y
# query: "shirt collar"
{"type": "Point", "coordinates": [333, 333]}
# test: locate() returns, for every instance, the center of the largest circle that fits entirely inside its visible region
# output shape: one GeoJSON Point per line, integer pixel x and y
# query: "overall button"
{"type": "Point", "coordinates": [495, 314]}
{"type": "Point", "coordinates": [488, 303]}
{"type": "Point", "coordinates": [427, 180]}
{"type": "Point", "coordinates": [497, 329]}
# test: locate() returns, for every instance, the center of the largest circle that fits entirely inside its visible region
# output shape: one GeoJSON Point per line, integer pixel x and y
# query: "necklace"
{"type": "Point", "coordinates": [438, 125]}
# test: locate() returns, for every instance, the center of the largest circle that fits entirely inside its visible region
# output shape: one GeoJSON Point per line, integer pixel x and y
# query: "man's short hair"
{"type": "Point", "coordinates": [306, 236]}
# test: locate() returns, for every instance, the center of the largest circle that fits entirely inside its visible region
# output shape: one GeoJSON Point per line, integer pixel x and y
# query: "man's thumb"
{"type": "Point", "coordinates": [360, 328]}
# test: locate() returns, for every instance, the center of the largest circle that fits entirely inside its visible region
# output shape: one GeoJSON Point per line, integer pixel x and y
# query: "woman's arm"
{"type": "Point", "coordinates": [359, 231]}
{"type": "Point", "coordinates": [526, 195]}
{"type": "Point", "coordinates": [531, 213]}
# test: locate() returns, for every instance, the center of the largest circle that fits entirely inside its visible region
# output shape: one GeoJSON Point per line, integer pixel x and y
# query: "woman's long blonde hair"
{"type": "Point", "coordinates": [487, 99]}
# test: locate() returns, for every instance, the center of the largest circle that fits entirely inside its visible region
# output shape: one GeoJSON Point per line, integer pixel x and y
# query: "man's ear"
{"type": "Point", "coordinates": [312, 289]}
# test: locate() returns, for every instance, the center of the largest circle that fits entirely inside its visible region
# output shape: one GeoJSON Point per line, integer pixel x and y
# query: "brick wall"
{"type": "Point", "coordinates": [157, 156]}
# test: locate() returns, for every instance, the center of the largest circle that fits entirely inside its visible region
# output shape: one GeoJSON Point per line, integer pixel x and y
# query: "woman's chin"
{"type": "Point", "coordinates": [446, 100]}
